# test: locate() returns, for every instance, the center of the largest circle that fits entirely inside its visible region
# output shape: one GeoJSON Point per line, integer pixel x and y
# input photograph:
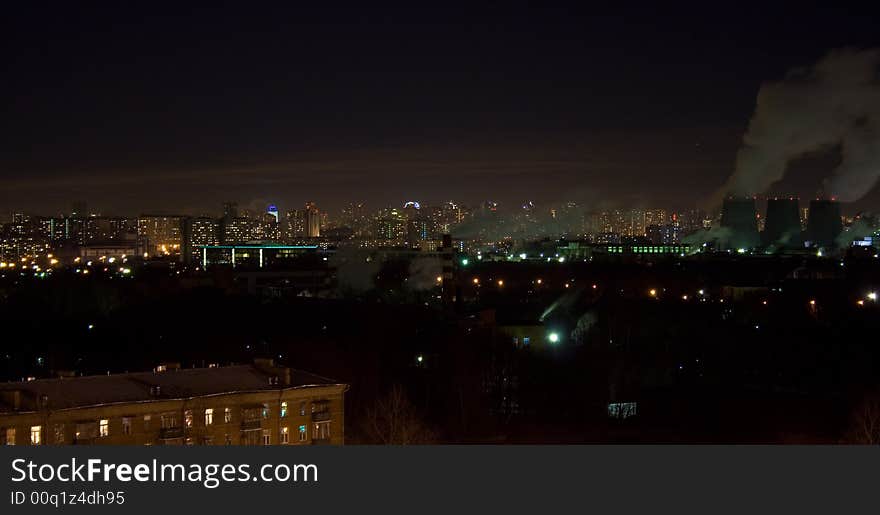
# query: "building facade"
{"type": "Point", "coordinates": [260, 404]}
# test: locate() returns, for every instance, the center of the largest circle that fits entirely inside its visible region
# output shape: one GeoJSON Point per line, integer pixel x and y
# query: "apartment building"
{"type": "Point", "coordinates": [259, 404]}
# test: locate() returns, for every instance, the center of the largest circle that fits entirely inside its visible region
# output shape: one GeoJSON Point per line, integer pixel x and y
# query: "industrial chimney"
{"type": "Point", "coordinates": [739, 216]}
{"type": "Point", "coordinates": [824, 224]}
{"type": "Point", "coordinates": [783, 225]}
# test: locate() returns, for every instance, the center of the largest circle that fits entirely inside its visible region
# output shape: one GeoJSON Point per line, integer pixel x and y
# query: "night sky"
{"type": "Point", "coordinates": [160, 107]}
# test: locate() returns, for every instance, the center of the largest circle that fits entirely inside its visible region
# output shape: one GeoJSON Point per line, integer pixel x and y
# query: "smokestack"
{"type": "Point", "coordinates": [783, 226]}
{"type": "Point", "coordinates": [739, 216]}
{"type": "Point", "coordinates": [823, 224]}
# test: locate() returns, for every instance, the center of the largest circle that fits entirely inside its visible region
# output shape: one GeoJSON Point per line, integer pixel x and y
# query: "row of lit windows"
{"type": "Point", "coordinates": [648, 249]}
{"type": "Point", "coordinates": [321, 431]}
{"type": "Point", "coordinates": [167, 421]}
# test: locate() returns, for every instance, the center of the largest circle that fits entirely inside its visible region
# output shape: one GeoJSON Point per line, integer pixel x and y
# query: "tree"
{"type": "Point", "coordinates": [864, 428]}
{"type": "Point", "coordinates": [393, 420]}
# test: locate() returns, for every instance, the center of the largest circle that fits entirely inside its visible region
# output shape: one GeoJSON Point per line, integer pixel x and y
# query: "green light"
{"type": "Point", "coordinates": [464, 262]}
{"type": "Point", "coordinates": [553, 337]}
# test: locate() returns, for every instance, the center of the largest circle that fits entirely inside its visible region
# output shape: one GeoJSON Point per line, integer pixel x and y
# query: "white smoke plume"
{"type": "Point", "coordinates": [834, 103]}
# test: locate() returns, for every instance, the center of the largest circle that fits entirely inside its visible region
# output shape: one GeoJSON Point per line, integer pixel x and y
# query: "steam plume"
{"type": "Point", "coordinates": [836, 102]}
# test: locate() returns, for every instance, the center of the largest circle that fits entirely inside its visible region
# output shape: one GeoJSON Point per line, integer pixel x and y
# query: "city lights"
{"type": "Point", "coordinates": [553, 337]}
{"type": "Point", "coordinates": [652, 292]}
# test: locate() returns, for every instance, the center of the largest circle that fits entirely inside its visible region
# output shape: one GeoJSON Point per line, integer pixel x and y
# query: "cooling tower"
{"type": "Point", "coordinates": [783, 224]}
{"type": "Point", "coordinates": [738, 216]}
{"type": "Point", "coordinates": [823, 223]}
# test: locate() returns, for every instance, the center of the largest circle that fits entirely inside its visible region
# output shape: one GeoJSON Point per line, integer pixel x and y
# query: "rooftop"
{"type": "Point", "coordinates": [86, 391]}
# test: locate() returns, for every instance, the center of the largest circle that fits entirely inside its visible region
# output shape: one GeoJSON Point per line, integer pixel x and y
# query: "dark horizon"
{"type": "Point", "coordinates": [136, 110]}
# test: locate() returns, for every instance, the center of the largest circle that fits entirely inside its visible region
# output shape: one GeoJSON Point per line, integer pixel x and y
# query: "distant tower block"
{"type": "Point", "coordinates": [783, 226]}
{"type": "Point", "coordinates": [823, 224]}
{"type": "Point", "coordinates": [739, 216]}
{"type": "Point", "coordinates": [448, 280]}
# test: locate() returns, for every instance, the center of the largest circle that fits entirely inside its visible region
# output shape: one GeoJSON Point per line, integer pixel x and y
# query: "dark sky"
{"type": "Point", "coordinates": [144, 106]}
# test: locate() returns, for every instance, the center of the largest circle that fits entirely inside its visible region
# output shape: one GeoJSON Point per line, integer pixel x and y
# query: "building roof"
{"type": "Point", "coordinates": [81, 392]}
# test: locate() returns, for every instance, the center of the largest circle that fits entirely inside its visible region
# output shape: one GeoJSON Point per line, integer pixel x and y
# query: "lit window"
{"type": "Point", "coordinates": [188, 418]}
{"type": "Point", "coordinates": [147, 419]}
{"type": "Point", "coordinates": [10, 436]}
{"type": "Point", "coordinates": [126, 425]}
{"type": "Point", "coordinates": [283, 409]}
{"type": "Point", "coordinates": [267, 437]}
{"type": "Point", "coordinates": [265, 411]}
{"type": "Point", "coordinates": [227, 415]}
{"type": "Point", "coordinates": [285, 436]}
{"type": "Point", "coordinates": [302, 409]}
{"type": "Point", "coordinates": [209, 416]}
{"type": "Point", "coordinates": [322, 431]}
{"type": "Point", "coordinates": [36, 435]}
{"type": "Point", "coordinates": [103, 428]}
{"type": "Point", "coordinates": [303, 434]}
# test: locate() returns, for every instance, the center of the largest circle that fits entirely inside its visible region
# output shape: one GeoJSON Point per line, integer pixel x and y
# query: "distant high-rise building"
{"type": "Point", "coordinates": [295, 226]}
{"type": "Point", "coordinates": [355, 217]}
{"type": "Point", "coordinates": [160, 234]}
{"type": "Point", "coordinates": [313, 220]}
{"type": "Point", "coordinates": [655, 217]}
{"type": "Point", "coordinates": [237, 231]}
{"type": "Point", "coordinates": [391, 227]}
{"type": "Point", "coordinates": [199, 231]}
{"type": "Point", "coordinates": [273, 210]}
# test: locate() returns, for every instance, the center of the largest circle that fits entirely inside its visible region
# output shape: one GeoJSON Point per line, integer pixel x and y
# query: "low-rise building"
{"type": "Point", "coordinates": [259, 404]}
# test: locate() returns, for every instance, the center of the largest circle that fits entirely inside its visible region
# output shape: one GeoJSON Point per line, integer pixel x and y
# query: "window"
{"type": "Point", "coordinates": [227, 415]}
{"type": "Point", "coordinates": [10, 436]}
{"type": "Point", "coordinates": [283, 409]}
{"type": "Point", "coordinates": [59, 434]}
{"type": "Point", "coordinates": [36, 435]}
{"type": "Point", "coordinates": [228, 439]}
{"type": "Point", "coordinates": [267, 437]}
{"type": "Point", "coordinates": [147, 419]}
{"type": "Point", "coordinates": [188, 418]}
{"type": "Point", "coordinates": [126, 426]}
{"type": "Point", "coordinates": [103, 428]}
{"type": "Point", "coordinates": [169, 421]}
{"type": "Point", "coordinates": [285, 436]}
{"type": "Point", "coordinates": [526, 340]}
{"type": "Point", "coordinates": [265, 411]}
{"type": "Point", "coordinates": [209, 416]}
{"type": "Point", "coordinates": [86, 431]}
{"type": "Point", "coordinates": [322, 431]}
{"type": "Point", "coordinates": [303, 434]}
{"type": "Point", "coordinates": [302, 409]}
